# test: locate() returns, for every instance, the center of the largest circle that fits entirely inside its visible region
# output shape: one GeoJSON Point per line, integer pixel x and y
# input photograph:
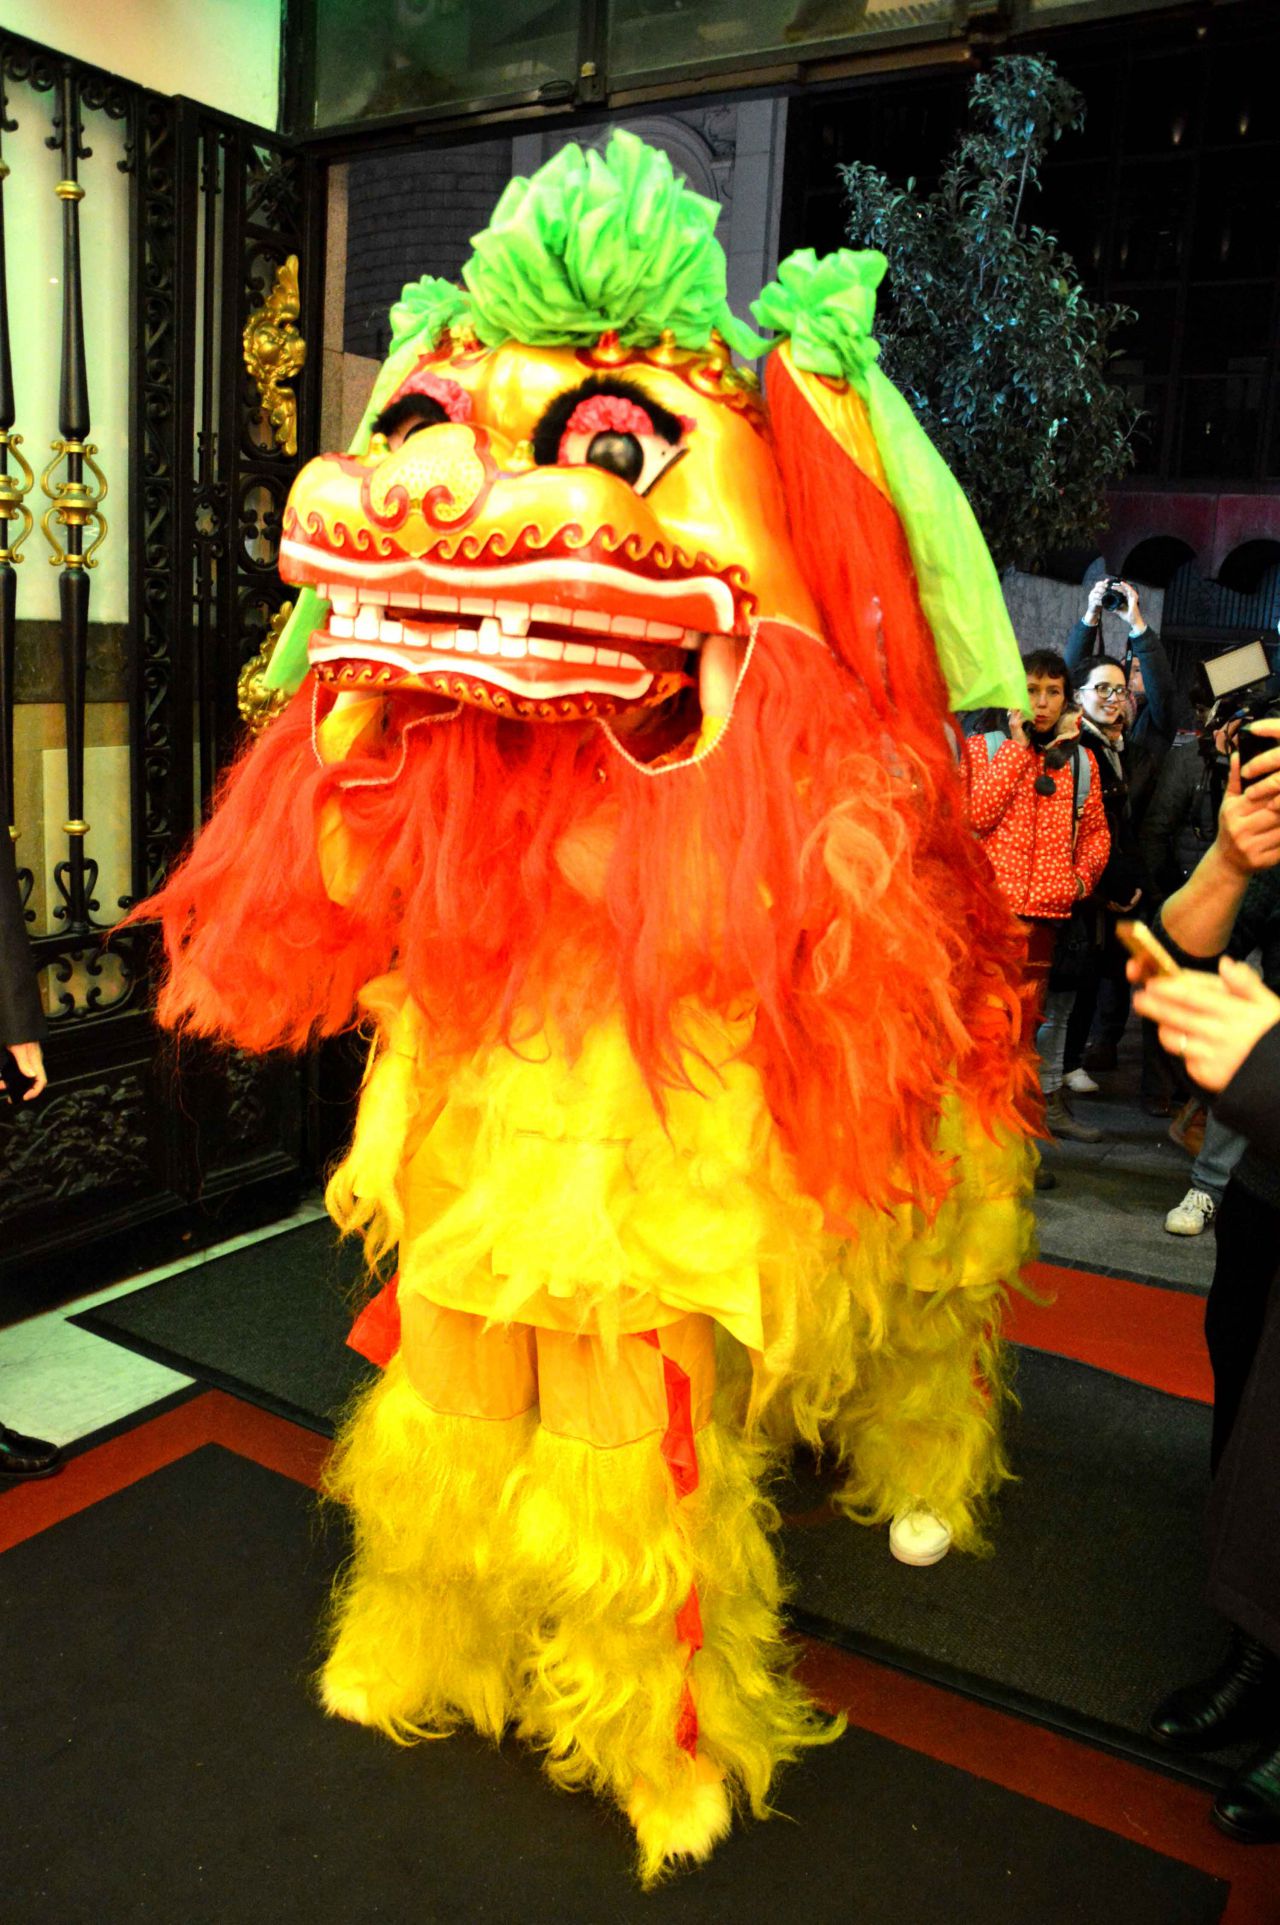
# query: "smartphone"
{"type": "Point", "coordinates": [1140, 942]}
{"type": "Point", "coordinates": [1250, 743]}
{"type": "Point", "coordinates": [15, 1081]}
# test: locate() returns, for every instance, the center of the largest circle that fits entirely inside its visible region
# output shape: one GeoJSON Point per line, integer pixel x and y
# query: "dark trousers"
{"type": "Point", "coordinates": [1103, 990]}
{"type": "Point", "coordinates": [1243, 1276]}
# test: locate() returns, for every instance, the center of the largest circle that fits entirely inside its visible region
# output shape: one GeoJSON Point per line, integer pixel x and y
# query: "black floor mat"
{"type": "Point", "coordinates": [162, 1760]}
{"type": "Point", "coordinates": [1091, 1607]}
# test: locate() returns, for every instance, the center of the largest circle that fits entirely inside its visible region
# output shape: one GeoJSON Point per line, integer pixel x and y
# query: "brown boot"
{"type": "Point", "coordinates": [1060, 1122]}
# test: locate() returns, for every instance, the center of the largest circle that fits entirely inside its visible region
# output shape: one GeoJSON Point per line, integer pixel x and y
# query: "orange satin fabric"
{"type": "Point", "coordinates": [463, 1367]}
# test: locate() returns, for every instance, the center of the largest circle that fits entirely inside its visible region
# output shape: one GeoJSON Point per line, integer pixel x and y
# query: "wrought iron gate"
{"type": "Point", "coordinates": [215, 210]}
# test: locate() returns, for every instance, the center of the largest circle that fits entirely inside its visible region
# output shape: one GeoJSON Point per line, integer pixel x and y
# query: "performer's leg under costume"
{"type": "Point", "coordinates": [583, 1551]}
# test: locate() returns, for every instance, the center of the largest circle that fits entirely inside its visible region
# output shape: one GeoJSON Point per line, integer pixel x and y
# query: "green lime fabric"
{"type": "Point", "coordinates": [594, 242]}
{"type": "Point", "coordinates": [826, 308]}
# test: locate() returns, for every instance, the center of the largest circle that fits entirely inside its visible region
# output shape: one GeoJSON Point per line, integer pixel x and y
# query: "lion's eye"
{"type": "Point", "coordinates": [612, 425]}
{"type": "Point", "coordinates": [619, 454]}
{"type": "Point", "coordinates": [408, 416]}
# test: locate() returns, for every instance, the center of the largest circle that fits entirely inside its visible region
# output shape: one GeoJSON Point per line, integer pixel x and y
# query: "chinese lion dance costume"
{"type": "Point", "coordinates": [616, 797]}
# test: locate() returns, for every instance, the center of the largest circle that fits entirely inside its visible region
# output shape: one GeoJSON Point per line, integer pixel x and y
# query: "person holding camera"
{"type": "Point", "coordinates": [22, 1030]}
{"type": "Point", "coordinates": [1223, 1027]}
{"type": "Point", "coordinates": [1035, 804]}
{"type": "Point", "coordinates": [1130, 718]}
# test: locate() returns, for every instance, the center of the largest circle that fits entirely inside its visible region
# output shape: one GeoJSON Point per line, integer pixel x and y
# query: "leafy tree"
{"type": "Point", "coordinates": [986, 329]}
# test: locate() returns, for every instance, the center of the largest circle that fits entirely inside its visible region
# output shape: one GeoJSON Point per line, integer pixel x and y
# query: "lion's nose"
{"type": "Point", "coordinates": [445, 471]}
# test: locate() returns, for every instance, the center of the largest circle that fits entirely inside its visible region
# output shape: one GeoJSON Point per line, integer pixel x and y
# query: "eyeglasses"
{"type": "Point", "coordinates": [1108, 691]}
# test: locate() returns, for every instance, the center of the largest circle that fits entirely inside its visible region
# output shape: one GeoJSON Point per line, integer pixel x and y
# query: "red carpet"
{"type": "Point", "coordinates": [1135, 1330]}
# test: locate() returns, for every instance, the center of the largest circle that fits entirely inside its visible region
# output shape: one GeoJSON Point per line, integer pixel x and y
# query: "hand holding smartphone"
{"type": "Point", "coordinates": [1151, 956]}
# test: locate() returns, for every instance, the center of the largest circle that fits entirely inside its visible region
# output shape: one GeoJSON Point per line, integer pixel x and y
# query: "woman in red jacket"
{"type": "Point", "coordinates": [1035, 803]}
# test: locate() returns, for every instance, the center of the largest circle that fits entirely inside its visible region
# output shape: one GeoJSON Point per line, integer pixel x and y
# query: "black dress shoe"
{"type": "Point", "coordinates": [1045, 1179]}
{"type": "Point", "coordinates": [26, 1457]}
{"type": "Point", "coordinates": [1240, 1701]}
{"type": "Point", "coordinates": [1249, 1808]}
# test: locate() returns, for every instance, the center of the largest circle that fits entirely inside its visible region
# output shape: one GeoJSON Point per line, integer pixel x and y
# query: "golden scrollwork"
{"type": "Point", "coordinates": [258, 703]}
{"type": "Point", "coordinates": [74, 504]}
{"type": "Point", "coordinates": [274, 352]}
{"type": "Point", "coordinates": [13, 506]}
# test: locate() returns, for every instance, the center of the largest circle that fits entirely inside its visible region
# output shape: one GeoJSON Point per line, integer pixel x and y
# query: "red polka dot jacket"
{"type": "Point", "coordinates": [1043, 868]}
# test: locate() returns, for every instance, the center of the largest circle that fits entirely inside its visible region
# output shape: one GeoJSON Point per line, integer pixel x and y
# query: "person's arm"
{"type": "Point", "coordinates": [1200, 917]}
{"type": "Point", "coordinates": [1250, 1103]}
{"type": "Point", "coordinates": [1093, 841]}
{"type": "Point", "coordinates": [995, 780]}
{"type": "Point", "coordinates": [1080, 646]}
{"type": "Point", "coordinates": [1157, 680]}
{"type": "Point", "coordinates": [21, 1016]}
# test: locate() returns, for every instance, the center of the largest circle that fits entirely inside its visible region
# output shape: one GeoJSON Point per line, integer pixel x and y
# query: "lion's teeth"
{"type": "Point", "coordinates": [548, 650]}
{"type": "Point", "coordinates": [608, 657]}
{"type": "Point", "coordinates": [544, 612]}
{"type": "Point", "coordinates": [629, 662]}
{"type": "Point", "coordinates": [440, 604]}
{"type": "Point", "coordinates": [513, 617]}
{"type": "Point", "coordinates": [663, 632]}
{"type": "Point", "coordinates": [378, 597]}
{"type": "Point", "coordinates": [513, 647]}
{"type": "Point", "coordinates": [627, 625]}
{"type": "Point", "coordinates": [367, 625]}
{"type": "Point", "coordinates": [588, 618]}
{"type": "Point", "coordinates": [341, 625]}
{"type": "Point", "coordinates": [476, 605]}
{"type": "Point", "coordinates": [391, 632]}
{"type": "Point", "coordinates": [574, 652]}
{"type": "Point", "coordinates": [466, 641]}
{"type": "Point", "coordinates": [489, 636]}
{"type": "Point", "coordinates": [343, 601]}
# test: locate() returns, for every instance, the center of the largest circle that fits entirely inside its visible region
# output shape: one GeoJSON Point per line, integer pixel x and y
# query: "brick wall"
{"type": "Point", "coordinates": [410, 213]}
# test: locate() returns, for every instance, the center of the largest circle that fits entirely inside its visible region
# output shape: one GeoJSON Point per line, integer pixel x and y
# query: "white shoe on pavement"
{"type": "Point", "coordinates": [1192, 1216]}
{"type": "Point", "coordinates": [919, 1537]}
{"type": "Point", "coordinates": [1081, 1082]}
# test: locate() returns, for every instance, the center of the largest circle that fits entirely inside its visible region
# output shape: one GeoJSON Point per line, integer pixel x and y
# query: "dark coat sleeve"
{"type": "Point", "coordinates": [1175, 792]}
{"type": "Point", "coordinates": [1083, 641]}
{"type": "Point", "coordinates": [1163, 715]}
{"type": "Point", "coordinates": [1251, 1101]}
{"type": "Point", "coordinates": [21, 1017]}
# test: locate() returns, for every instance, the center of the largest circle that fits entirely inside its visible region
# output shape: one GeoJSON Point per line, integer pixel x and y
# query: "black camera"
{"type": "Point", "coordinates": [1114, 599]}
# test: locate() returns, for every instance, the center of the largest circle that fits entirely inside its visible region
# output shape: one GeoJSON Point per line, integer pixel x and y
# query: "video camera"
{"type": "Point", "coordinates": [1237, 687]}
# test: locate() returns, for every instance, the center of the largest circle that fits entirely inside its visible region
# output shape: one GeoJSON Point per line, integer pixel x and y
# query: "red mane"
{"type": "Point", "coordinates": [844, 897]}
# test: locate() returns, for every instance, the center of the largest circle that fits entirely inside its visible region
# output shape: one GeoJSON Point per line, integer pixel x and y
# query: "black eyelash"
{"type": "Point", "coordinates": [549, 432]}
{"type": "Point", "coordinates": [410, 407]}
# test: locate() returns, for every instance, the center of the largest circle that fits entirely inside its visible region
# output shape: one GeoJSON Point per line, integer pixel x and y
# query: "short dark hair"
{"type": "Point", "coordinates": [1086, 669]}
{"type": "Point", "coordinates": [1047, 661]}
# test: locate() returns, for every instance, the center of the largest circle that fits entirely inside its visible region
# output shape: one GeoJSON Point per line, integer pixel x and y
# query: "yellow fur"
{"type": "Point", "coordinates": [687, 1821]}
{"type": "Point", "coordinates": [504, 1573]}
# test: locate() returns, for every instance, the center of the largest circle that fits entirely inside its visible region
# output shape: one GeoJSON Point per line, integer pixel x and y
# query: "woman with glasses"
{"type": "Point", "coordinates": [1129, 721]}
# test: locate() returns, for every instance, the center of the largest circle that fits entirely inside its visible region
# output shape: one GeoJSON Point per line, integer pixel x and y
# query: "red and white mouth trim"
{"type": "Point", "coordinates": [620, 601]}
{"type": "Point", "coordinates": [531, 665]}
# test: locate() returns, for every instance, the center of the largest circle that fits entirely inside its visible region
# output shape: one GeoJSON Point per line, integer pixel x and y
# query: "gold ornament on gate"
{"type": "Point", "coordinates": [73, 504]}
{"type": "Point", "coordinates": [274, 352]}
{"type": "Point", "coordinates": [257, 703]}
{"type": "Point", "coordinates": [13, 507]}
